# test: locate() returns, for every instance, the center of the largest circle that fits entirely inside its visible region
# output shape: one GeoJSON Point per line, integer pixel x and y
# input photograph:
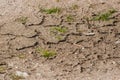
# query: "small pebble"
{"type": "Point", "coordinates": [89, 34]}
{"type": "Point", "coordinates": [23, 74]}
{"type": "Point", "coordinates": [117, 42]}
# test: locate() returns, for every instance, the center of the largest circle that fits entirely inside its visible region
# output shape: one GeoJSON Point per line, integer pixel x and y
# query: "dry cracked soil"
{"type": "Point", "coordinates": [59, 39]}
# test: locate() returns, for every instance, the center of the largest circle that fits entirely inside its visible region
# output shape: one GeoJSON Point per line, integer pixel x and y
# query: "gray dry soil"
{"type": "Point", "coordinates": [89, 50]}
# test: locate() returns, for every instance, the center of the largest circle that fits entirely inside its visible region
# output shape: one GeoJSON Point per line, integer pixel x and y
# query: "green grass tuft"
{"type": "Point", "coordinates": [69, 18]}
{"type": "Point", "coordinates": [59, 29]}
{"type": "Point", "coordinates": [46, 53]}
{"type": "Point", "coordinates": [51, 10]}
{"type": "Point", "coordinates": [104, 16]}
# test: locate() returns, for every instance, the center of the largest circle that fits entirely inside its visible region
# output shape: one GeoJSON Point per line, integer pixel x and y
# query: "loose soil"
{"type": "Point", "coordinates": [85, 50]}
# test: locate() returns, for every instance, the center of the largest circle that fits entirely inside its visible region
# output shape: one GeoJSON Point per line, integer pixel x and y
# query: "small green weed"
{"type": "Point", "coordinates": [69, 18]}
{"type": "Point", "coordinates": [21, 56]}
{"type": "Point", "coordinates": [58, 32]}
{"type": "Point", "coordinates": [59, 29]}
{"type": "Point", "coordinates": [46, 53]}
{"type": "Point", "coordinates": [104, 16]}
{"type": "Point", "coordinates": [22, 19]}
{"type": "Point", "coordinates": [51, 10]}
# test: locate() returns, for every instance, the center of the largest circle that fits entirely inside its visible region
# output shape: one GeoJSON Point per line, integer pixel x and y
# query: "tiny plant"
{"type": "Point", "coordinates": [69, 18]}
{"type": "Point", "coordinates": [59, 29]}
{"type": "Point", "coordinates": [51, 10]}
{"type": "Point", "coordinates": [21, 56]}
{"type": "Point", "coordinates": [104, 16]}
{"type": "Point", "coordinates": [46, 53]}
{"type": "Point", "coordinates": [58, 32]}
{"type": "Point", "coordinates": [22, 19]}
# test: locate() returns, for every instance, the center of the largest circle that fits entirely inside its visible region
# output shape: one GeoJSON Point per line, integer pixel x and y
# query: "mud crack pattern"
{"type": "Point", "coordinates": [85, 49]}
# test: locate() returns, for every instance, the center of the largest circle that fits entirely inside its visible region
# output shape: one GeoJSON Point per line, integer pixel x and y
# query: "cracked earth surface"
{"type": "Point", "coordinates": [87, 50]}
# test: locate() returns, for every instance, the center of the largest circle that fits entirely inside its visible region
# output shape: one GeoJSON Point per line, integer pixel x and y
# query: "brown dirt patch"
{"type": "Point", "coordinates": [85, 49]}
